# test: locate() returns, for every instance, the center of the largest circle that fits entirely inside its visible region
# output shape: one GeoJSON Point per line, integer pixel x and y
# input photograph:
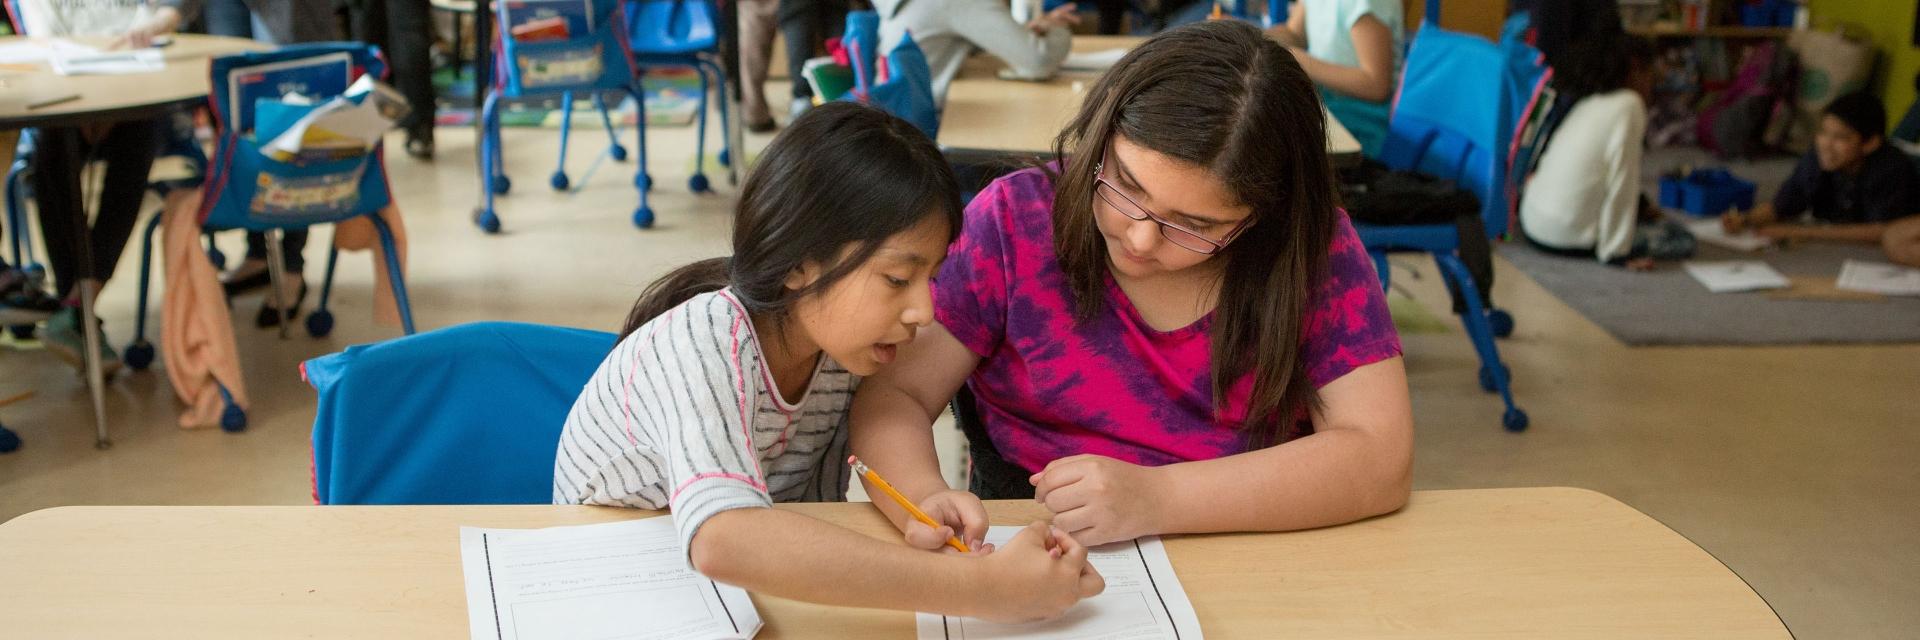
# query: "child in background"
{"type": "Point", "coordinates": [729, 388]}
{"type": "Point", "coordinates": [950, 30]}
{"type": "Point", "coordinates": [1351, 49]}
{"type": "Point", "coordinates": [1852, 186]}
{"type": "Point", "coordinates": [127, 148]}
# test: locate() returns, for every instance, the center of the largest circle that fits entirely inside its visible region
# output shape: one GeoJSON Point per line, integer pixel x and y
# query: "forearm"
{"type": "Point", "coordinates": [1331, 477]}
{"type": "Point", "coordinates": [793, 556]}
{"type": "Point", "coordinates": [1352, 81]}
{"type": "Point", "coordinates": [893, 432]}
{"type": "Point", "coordinates": [1863, 232]}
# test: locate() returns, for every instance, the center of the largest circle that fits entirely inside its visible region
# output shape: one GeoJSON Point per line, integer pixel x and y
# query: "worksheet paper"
{"type": "Point", "coordinates": [1710, 232]}
{"type": "Point", "coordinates": [1879, 277]}
{"type": "Point", "coordinates": [1736, 275]}
{"type": "Point", "coordinates": [624, 580]}
{"type": "Point", "coordinates": [109, 63]}
{"type": "Point", "coordinates": [1143, 601]}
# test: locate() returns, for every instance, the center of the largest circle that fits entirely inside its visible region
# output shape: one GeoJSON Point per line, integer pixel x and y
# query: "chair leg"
{"type": "Point", "coordinates": [484, 215]}
{"type": "Point", "coordinates": [614, 148]}
{"type": "Point", "coordinates": [643, 216]}
{"type": "Point", "coordinates": [726, 135]}
{"type": "Point", "coordinates": [276, 276]}
{"type": "Point", "coordinates": [559, 179]}
{"type": "Point", "coordinates": [1381, 267]}
{"type": "Point", "coordinates": [17, 211]}
{"type": "Point", "coordinates": [1494, 375]}
{"type": "Point", "coordinates": [698, 182]}
{"type": "Point", "coordinates": [394, 278]}
{"type": "Point", "coordinates": [140, 353]}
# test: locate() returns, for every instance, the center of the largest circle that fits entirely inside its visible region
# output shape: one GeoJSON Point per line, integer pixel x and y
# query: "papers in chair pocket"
{"type": "Point", "coordinates": [616, 580]}
{"type": "Point", "coordinates": [1143, 601]}
{"type": "Point", "coordinates": [1879, 277]}
{"type": "Point", "coordinates": [1736, 275]}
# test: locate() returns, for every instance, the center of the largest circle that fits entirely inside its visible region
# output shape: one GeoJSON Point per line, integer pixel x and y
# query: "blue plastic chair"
{"type": "Point", "coordinates": [678, 33]}
{"type": "Point", "coordinates": [1450, 121]}
{"type": "Point", "coordinates": [595, 62]}
{"type": "Point", "coordinates": [470, 414]}
{"type": "Point", "coordinates": [907, 92]}
{"type": "Point", "coordinates": [246, 189]}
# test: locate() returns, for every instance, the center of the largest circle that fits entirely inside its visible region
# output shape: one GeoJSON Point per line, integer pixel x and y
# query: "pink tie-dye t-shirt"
{"type": "Point", "coordinates": [1049, 387]}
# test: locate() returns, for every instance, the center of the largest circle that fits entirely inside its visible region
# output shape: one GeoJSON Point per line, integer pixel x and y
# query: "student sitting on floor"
{"type": "Point", "coordinates": [1351, 49]}
{"type": "Point", "coordinates": [730, 386]}
{"type": "Point", "coordinates": [950, 30]}
{"type": "Point", "coordinates": [1851, 186]}
{"type": "Point", "coordinates": [1584, 198]}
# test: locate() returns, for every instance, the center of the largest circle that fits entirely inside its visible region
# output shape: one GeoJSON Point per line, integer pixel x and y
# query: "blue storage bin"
{"type": "Point", "coordinates": [1706, 192]}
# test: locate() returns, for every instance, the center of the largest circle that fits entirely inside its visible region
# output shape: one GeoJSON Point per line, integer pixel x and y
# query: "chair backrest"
{"type": "Point", "coordinates": [670, 27]}
{"type": "Point", "coordinates": [247, 189]}
{"type": "Point", "coordinates": [470, 414]}
{"type": "Point", "coordinates": [593, 55]}
{"type": "Point", "coordinates": [1450, 117]}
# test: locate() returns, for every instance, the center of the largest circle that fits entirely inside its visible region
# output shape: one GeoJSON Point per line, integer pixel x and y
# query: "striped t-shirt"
{"type": "Point", "coordinates": [684, 415]}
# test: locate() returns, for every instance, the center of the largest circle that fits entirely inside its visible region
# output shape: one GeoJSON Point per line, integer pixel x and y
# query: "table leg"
{"type": "Point", "coordinates": [96, 383]}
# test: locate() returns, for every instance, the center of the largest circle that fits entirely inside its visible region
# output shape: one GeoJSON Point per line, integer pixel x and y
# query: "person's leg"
{"type": "Point", "coordinates": [128, 151]}
{"type": "Point", "coordinates": [57, 157]}
{"type": "Point", "coordinates": [229, 18]}
{"type": "Point", "coordinates": [799, 23]}
{"type": "Point", "coordinates": [1112, 14]}
{"type": "Point", "coordinates": [1902, 241]}
{"type": "Point", "coordinates": [410, 36]}
{"type": "Point", "coordinates": [757, 22]}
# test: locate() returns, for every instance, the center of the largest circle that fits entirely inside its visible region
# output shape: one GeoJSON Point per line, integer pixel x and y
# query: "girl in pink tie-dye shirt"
{"type": "Point", "coordinates": [1171, 328]}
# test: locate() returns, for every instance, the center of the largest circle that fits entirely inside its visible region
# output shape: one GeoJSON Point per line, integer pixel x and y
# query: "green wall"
{"type": "Point", "coordinates": [1890, 23]}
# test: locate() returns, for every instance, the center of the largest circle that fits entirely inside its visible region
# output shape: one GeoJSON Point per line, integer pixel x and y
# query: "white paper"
{"type": "Point", "coordinates": [1093, 60]}
{"type": "Point", "coordinates": [624, 580]}
{"type": "Point", "coordinates": [1710, 232]}
{"type": "Point", "coordinates": [1879, 277]}
{"type": "Point", "coordinates": [1143, 601]}
{"type": "Point", "coordinates": [38, 50]}
{"type": "Point", "coordinates": [340, 126]}
{"type": "Point", "coordinates": [1736, 275]}
{"type": "Point", "coordinates": [108, 63]}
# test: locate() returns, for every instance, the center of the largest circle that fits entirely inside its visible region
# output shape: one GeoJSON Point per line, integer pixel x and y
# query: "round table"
{"type": "Point", "coordinates": [34, 96]}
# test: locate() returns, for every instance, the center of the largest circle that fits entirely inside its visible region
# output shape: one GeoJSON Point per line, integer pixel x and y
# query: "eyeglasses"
{"type": "Point", "coordinates": [1178, 235]}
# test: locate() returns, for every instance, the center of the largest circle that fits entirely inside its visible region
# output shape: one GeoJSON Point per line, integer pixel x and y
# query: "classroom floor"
{"type": "Point", "coordinates": [1795, 466]}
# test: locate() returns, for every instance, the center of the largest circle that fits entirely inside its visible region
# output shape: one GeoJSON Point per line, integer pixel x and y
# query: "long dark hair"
{"type": "Point", "coordinates": [1601, 64]}
{"type": "Point", "coordinates": [1220, 96]}
{"type": "Point", "coordinates": [843, 174]}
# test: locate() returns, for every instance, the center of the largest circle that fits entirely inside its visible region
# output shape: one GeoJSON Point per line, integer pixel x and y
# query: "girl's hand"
{"type": "Point", "coordinates": [1099, 500]}
{"type": "Point", "coordinates": [142, 35]}
{"type": "Point", "coordinates": [1039, 574]}
{"type": "Point", "coordinates": [1066, 15]}
{"type": "Point", "coordinates": [960, 514]}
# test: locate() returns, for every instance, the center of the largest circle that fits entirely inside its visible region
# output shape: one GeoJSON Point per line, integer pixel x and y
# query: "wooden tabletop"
{"type": "Point", "coordinates": [1566, 563]}
{"type": "Point", "coordinates": [112, 97]}
{"type": "Point", "coordinates": [986, 113]}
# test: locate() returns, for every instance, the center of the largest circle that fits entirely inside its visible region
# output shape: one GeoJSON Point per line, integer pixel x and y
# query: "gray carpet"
{"type": "Point", "coordinates": [1667, 307]}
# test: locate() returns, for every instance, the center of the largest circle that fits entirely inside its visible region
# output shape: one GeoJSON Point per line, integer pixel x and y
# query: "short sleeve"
{"type": "Point", "coordinates": [1348, 326]}
{"type": "Point", "coordinates": [1388, 12]}
{"type": "Point", "coordinates": [698, 383]}
{"type": "Point", "coordinates": [970, 293]}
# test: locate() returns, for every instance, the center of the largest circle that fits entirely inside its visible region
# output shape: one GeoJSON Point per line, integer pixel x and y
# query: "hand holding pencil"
{"type": "Point", "coordinates": [954, 519]}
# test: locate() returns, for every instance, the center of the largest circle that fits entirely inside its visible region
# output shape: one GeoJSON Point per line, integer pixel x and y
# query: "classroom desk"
{"type": "Point", "coordinates": [985, 113]}
{"type": "Point", "coordinates": [1472, 563]}
{"type": "Point", "coordinates": [107, 99]}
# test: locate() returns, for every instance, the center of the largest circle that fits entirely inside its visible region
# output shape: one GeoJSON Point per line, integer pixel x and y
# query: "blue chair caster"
{"type": "Point", "coordinates": [218, 259]}
{"type": "Point", "coordinates": [698, 183]}
{"type": "Point", "coordinates": [643, 182]}
{"type": "Point", "coordinates": [501, 185]}
{"type": "Point", "coordinates": [233, 419]}
{"type": "Point", "coordinates": [643, 217]}
{"type": "Point", "coordinates": [619, 153]}
{"type": "Point", "coordinates": [21, 331]}
{"type": "Point", "coordinates": [559, 181]}
{"type": "Point", "coordinates": [9, 441]}
{"type": "Point", "coordinates": [485, 219]}
{"type": "Point", "coordinates": [1501, 322]}
{"type": "Point", "coordinates": [726, 159]}
{"type": "Point", "coordinates": [1514, 420]}
{"type": "Point", "coordinates": [320, 323]}
{"type": "Point", "coordinates": [139, 355]}
{"type": "Point", "coordinates": [1487, 383]}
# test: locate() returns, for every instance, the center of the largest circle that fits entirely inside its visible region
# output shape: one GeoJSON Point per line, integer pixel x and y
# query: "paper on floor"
{"type": "Point", "coordinates": [1732, 276]}
{"type": "Point", "coordinates": [1879, 277]}
{"type": "Point", "coordinates": [616, 580]}
{"type": "Point", "coordinates": [1143, 601]}
{"type": "Point", "coordinates": [1710, 232]}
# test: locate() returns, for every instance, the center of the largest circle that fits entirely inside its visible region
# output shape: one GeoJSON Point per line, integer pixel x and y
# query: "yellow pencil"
{"type": "Point", "coordinates": [874, 477]}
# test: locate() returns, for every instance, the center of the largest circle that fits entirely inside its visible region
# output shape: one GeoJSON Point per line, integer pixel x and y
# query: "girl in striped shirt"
{"type": "Point", "coordinates": [729, 388]}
